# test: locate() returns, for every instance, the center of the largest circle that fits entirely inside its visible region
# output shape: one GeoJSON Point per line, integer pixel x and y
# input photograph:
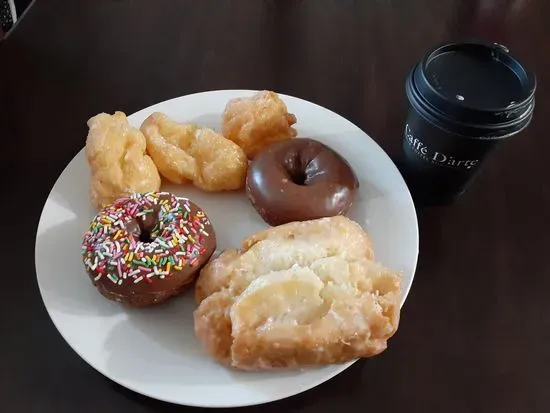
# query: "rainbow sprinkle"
{"type": "Point", "coordinates": [176, 240]}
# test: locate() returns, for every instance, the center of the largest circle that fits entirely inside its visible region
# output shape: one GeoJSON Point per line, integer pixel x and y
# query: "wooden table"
{"type": "Point", "coordinates": [475, 330]}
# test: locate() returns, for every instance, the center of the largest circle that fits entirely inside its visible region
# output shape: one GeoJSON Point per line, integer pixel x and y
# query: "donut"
{"type": "Point", "coordinates": [301, 294]}
{"type": "Point", "coordinates": [143, 249]}
{"type": "Point", "coordinates": [300, 180]}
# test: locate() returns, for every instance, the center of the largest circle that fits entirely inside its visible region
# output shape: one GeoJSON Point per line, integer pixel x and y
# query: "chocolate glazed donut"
{"type": "Point", "coordinates": [298, 180]}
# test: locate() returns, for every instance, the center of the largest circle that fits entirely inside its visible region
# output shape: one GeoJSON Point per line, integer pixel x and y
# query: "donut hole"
{"type": "Point", "coordinates": [145, 236]}
{"type": "Point", "coordinates": [296, 169]}
{"type": "Point", "coordinates": [298, 177]}
{"type": "Point", "coordinates": [145, 230]}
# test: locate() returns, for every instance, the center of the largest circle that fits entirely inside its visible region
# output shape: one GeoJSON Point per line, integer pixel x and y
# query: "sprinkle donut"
{"type": "Point", "coordinates": [146, 248]}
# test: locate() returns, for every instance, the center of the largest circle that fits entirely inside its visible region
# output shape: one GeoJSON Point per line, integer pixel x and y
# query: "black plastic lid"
{"type": "Point", "coordinates": [475, 84]}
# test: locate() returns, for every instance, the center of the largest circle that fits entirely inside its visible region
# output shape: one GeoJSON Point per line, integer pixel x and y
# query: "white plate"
{"type": "Point", "coordinates": [153, 351]}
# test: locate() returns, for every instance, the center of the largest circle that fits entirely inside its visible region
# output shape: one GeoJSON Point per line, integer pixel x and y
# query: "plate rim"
{"type": "Point", "coordinates": [298, 389]}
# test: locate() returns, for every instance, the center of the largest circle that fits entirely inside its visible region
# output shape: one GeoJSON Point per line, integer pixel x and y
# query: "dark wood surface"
{"type": "Point", "coordinates": [475, 331]}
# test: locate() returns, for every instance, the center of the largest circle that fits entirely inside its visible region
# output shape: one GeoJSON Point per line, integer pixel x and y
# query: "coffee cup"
{"type": "Point", "coordinates": [464, 100]}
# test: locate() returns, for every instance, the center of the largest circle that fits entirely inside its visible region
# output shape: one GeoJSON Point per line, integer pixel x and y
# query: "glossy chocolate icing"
{"type": "Point", "coordinates": [298, 180]}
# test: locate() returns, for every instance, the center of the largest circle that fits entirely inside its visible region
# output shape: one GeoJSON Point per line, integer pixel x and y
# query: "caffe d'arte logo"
{"type": "Point", "coordinates": [434, 157]}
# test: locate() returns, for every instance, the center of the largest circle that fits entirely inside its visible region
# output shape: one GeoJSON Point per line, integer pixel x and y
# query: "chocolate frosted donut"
{"type": "Point", "coordinates": [298, 180]}
{"type": "Point", "coordinates": [146, 248]}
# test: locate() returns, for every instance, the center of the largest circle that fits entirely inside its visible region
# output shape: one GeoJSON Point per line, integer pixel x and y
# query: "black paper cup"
{"type": "Point", "coordinates": [464, 99]}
